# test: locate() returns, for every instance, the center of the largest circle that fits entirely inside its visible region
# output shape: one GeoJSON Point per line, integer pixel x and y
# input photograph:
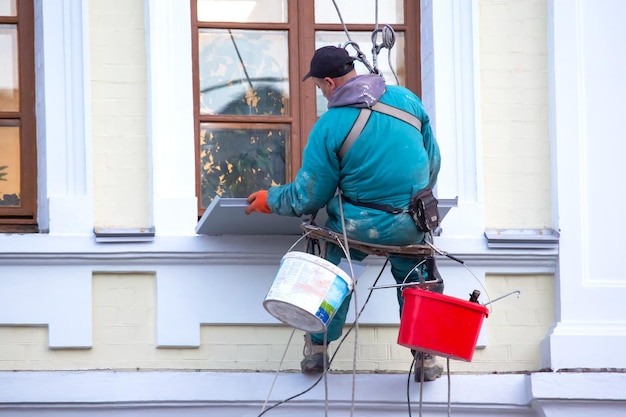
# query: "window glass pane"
{"type": "Point", "coordinates": [364, 42]}
{"type": "Point", "coordinates": [243, 72]}
{"type": "Point", "coordinates": [363, 11]}
{"type": "Point", "coordinates": [9, 82]}
{"type": "Point", "coordinates": [9, 166]}
{"type": "Point", "coordinates": [274, 11]}
{"type": "Point", "coordinates": [238, 159]}
{"type": "Point", "coordinates": [8, 8]}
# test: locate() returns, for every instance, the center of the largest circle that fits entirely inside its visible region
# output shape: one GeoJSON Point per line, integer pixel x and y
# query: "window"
{"type": "Point", "coordinates": [18, 173]}
{"type": "Point", "coordinates": [252, 111]}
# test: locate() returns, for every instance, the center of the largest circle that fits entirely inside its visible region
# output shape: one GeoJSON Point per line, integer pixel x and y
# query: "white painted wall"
{"type": "Point", "coordinates": [587, 92]}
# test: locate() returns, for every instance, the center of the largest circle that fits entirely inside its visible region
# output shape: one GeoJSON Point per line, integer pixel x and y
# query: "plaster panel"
{"type": "Point", "coordinates": [56, 297]}
{"type": "Point", "coordinates": [592, 287]}
{"type": "Point", "coordinates": [603, 90]}
{"type": "Point", "coordinates": [189, 296]}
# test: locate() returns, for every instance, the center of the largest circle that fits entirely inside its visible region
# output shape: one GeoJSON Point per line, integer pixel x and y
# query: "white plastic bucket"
{"type": "Point", "coordinates": [306, 291]}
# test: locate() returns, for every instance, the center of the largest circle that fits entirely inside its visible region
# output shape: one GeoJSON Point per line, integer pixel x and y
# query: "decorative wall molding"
{"type": "Point", "coordinates": [584, 95]}
{"type": "Point", "coordinates": [201, 280]}
{"type": "Point", "coordinates": [170, 116]}
{"type": "Point", "coordinates": [57, 298]}
{"type": "Point", "coordinates": [63, 117]}
{"type": "Point", "coordinates": [450, 92]}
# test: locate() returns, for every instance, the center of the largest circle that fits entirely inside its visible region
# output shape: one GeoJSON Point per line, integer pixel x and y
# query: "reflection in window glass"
{"type": "Point", "coordinates": [236, 160]}
{"type": "Point", "coordinates": [364, 42]}
{"type": "Point", "coordinates": [243, 72]}
{"type": "Point", "coordinates": [389, 11]}
{"type": "Point", "coordinates": [8, 8]}
{"type": "Point", "coordinates": [262, 11]}
{"type": "Point", "coordinates": [9, 82]}
{"type": "Point", "coordinates": [9, 166]}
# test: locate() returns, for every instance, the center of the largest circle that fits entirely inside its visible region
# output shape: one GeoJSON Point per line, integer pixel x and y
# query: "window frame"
{"type": "Point", "coordinates": [292, 148]}
{"type": "Point", "coordinates": [23, 219]}
{"type": "Point", "coordinates": [301, 29]}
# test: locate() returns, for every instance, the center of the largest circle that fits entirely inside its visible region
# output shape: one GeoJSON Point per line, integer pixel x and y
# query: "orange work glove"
{"type": "Point", "coordinates": [258, 202]}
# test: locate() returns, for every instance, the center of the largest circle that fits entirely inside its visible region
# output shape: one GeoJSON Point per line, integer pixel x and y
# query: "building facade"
{"type": "Point", "coordinates": [117, 304]}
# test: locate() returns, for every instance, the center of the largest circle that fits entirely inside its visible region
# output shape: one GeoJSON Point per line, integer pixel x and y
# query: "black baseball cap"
{"type": "Point", "coordinates": [330, 61]}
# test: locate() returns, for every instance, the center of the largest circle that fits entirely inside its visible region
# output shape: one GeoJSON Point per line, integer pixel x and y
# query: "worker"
{"type": "Point", "coordinates": [388, 163]}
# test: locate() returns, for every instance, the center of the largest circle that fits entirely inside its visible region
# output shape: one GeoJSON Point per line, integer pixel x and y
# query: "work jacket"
{"type": "Point", "coordinates": [388, 163]}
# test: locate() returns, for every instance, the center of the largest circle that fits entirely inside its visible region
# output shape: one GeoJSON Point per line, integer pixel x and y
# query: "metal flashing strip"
{"type": "Point", "coordinates": [522, 238]}
{"type": "Point", "coordinates": [112, 235]}
{"type": "Point", "coordinates": [226, 216]}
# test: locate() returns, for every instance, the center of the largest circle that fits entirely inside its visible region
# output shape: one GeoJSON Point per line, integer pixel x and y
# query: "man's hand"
{"type": "Point", "coordinates": [258, 202]}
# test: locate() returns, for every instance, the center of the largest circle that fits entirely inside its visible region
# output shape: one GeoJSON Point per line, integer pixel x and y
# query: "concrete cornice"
{"type": "Point", "coordinates": [253, 249]}
{"type": "Point", "coordinates": [244, 394]}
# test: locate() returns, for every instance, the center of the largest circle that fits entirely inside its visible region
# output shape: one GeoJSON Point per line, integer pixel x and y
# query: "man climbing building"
{"type": "Point", "coordinates": [378, 170]}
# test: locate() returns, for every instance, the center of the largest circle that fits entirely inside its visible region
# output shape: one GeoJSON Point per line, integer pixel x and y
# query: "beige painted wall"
{"type": "Point", "coordinates": [124, 337]}
{"type": "Point", "coordinates": [119, 109]}
{"type": "Point", "coordinates": [514, 108]}
{"type": "Point", "coordinates": [514, 94]}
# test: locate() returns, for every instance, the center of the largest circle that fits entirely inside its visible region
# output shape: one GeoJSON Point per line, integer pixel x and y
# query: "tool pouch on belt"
{"type": "Point", "coordinates": [423, 208]}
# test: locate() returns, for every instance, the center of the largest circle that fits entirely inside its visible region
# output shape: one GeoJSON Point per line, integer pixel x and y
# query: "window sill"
{"type": "Point", "coordinates": [522, 239]}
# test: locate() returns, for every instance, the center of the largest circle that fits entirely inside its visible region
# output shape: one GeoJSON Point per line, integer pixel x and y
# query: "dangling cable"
{"type": "Point", "coordinates": [449, 403]}
{"type": "Point", "coordinates": [345, 28]}
{"type": "Point", "coordinates": [454, 258]}
{"type": "Point", "coordinates": [389, 40]}
{"type": "Point", "coordinates": [278, 371]}
{"type": "Point", "coordinates": [324, 357]}
{"type": "Point", "coordinates": [359, 54]}
{"type": "Point", "coordinates": [408, 386]}
{"type": "Point", "coordinates": [336, 350]}
{"type": "Point", "coordinates": [421, 383]}
{"type": "Point", "coordinates": [375, 47]}
{"type": "Point", "coordinates": [356, 304]}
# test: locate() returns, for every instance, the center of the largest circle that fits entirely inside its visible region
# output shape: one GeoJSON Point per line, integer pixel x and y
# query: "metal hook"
{"type": "Point", "coordinates": [360, 55]}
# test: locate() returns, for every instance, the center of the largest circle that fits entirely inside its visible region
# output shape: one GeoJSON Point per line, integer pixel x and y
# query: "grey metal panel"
{"type": "Point", "coordinates": [226, 216]}
{"type": "Point", "coordinates": [112, 235]}
{"type": "Point", "coordinates": [522, 239]}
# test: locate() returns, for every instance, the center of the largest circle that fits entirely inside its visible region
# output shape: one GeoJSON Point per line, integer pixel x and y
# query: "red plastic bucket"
{"type": "Point", "coordinates": [439, 324]}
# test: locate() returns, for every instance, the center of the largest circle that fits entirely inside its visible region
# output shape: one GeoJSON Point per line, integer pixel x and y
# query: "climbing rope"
{"type": "Point", "coordinates": [388, 40]}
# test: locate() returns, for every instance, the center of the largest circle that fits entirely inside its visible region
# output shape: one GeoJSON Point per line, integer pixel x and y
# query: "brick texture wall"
{"type": "Point", "coordinates": [514, 94]}
{"type": "Point", "coordinates": [119, 108]}
{"type": "Point", "coordinates": [124, 336]}
{"type": "Point", "coordinates": [517, 184]}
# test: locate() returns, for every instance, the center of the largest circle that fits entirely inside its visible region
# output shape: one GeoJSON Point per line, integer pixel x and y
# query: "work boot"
{"type": "Point", "coordinates": [432, 370]}
{"type": "Point", "coordinates": [315, 357]}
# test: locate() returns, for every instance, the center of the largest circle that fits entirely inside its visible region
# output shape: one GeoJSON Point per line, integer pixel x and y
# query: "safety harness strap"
{"type": "Point", "coordinates": [382, 207]}
{"type": "Point", "coordinates": [364, 116]}
{"type": "Point", "coordinates": [357, 128]}
{"type": "Point", "coordinates": [398, 114]}
{"type": "Point", "coordinates": [355, 132]}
